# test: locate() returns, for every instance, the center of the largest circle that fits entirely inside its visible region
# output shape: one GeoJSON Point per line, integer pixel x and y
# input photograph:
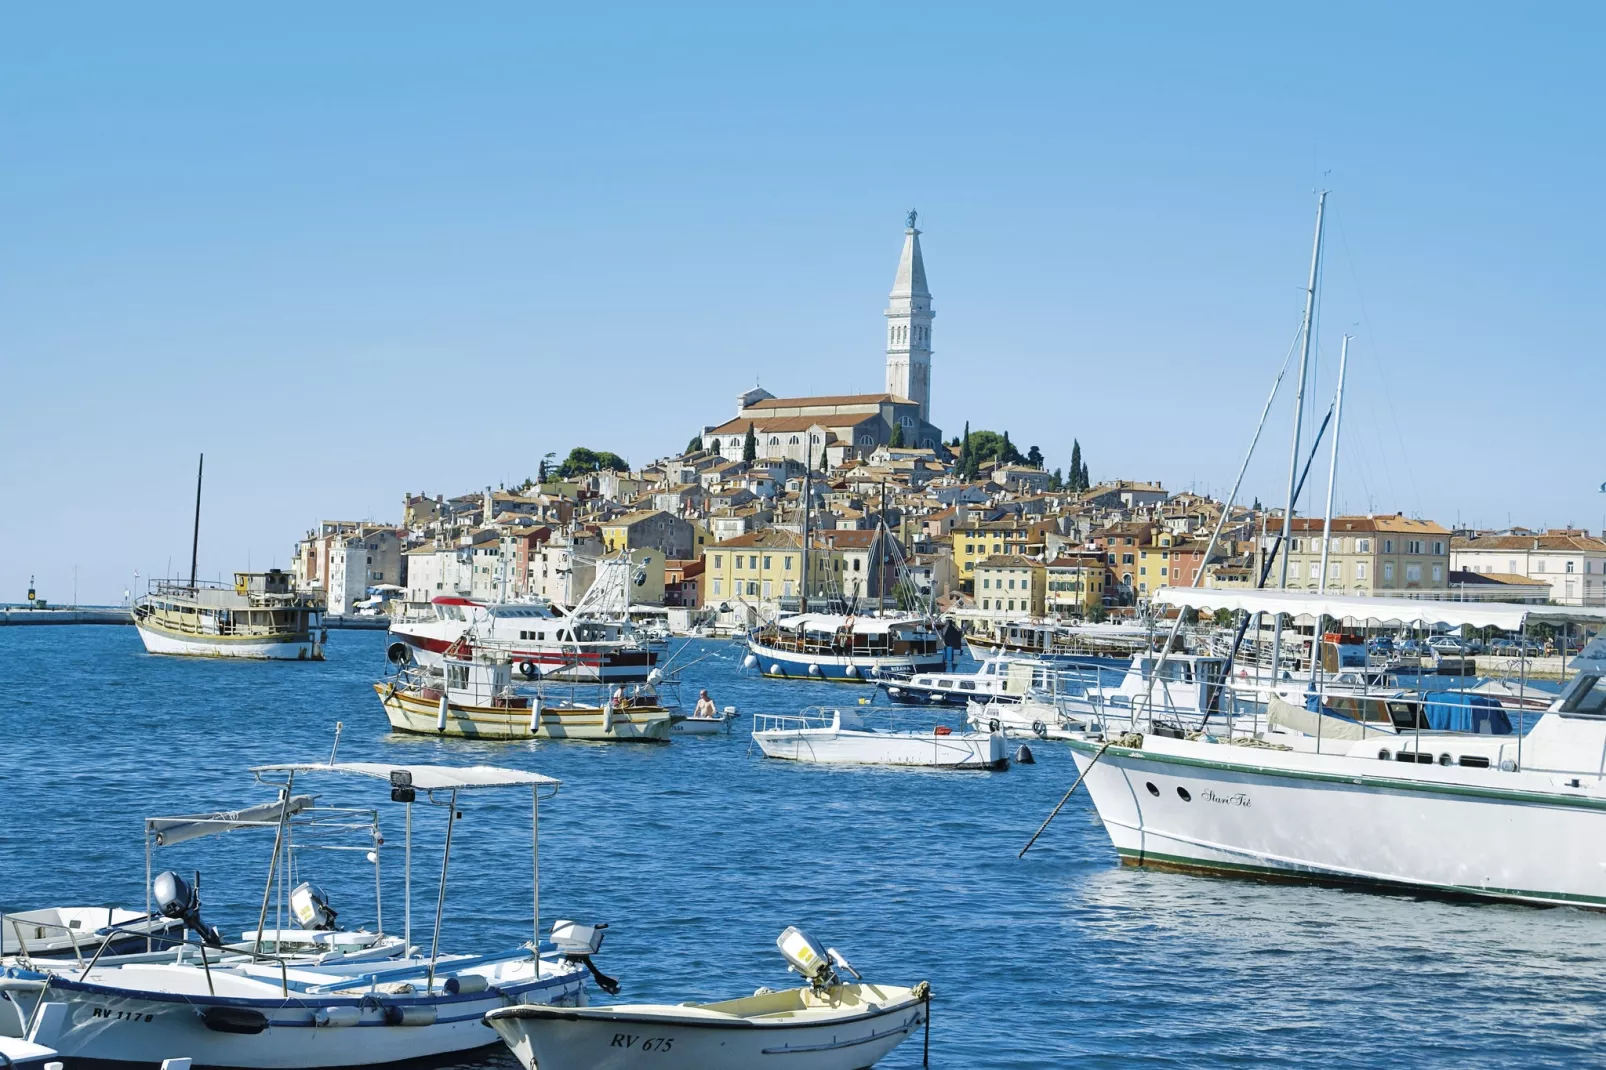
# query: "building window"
{"type": "Point", "coordinates": [1569, 566]}
{"type": "Point", "coordinates": [752, 562]}
{"type": "Point", "coordinates": [717, 586]}
{"type": "Point", "coordinates": [986, 584]}
{"type": "Point", "coordinates": [767, 561]}
{"type": "Point", "coordinates": [1388, 572]}
{"type": "Point", "coordinates": [719, 560]}
{"type": "Point", "coordinates": [1413, 546]}
{"type": "Point", "coordinates": [1360, 570]}
{"type": "Point", "coordinates": [1363, 546]}
{"type": "Point", "coordinates": [1438, 547]}
{"type": "Point", "coordinates": [786, 563]}
{"type": "Point", "coordinates": [986, 603]}
{"type": "Point", "coordinates": [1413, 573]}
{"type": "Point", "coordinates": [1438, 573]}
{"type": "Point", "coordinates": [1388, 546]}
{"type": "Point", "coordinates": [1539, 566]}
{"type": "Point", "coordinates": [1315, 570]}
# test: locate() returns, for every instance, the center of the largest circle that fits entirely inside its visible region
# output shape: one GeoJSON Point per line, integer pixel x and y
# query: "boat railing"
{"type": "Point", "coordinates": [810, 717]}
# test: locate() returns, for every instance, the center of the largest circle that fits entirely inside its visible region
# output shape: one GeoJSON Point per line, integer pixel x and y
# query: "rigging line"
{"type": "Point", "coordinates": [1410, 472]}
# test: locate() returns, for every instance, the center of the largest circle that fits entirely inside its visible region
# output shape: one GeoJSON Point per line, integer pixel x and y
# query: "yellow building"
{"type": "Point", "coordinates": [765, 567]}
{"type": "Point", "coordinates": [1074, 585]}
{"type": "Point", "coordinates": [977, 542]}
{"type": "Point", "coordinates": [1011, 585]}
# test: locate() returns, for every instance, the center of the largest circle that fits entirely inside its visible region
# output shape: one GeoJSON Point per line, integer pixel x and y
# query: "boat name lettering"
{"type": "Point", "coordinates": [120, 1016]}
{"type": "Point", "coordinates": [628, 1040]}
{"type": "Point", "coordinates": [1239, 799]}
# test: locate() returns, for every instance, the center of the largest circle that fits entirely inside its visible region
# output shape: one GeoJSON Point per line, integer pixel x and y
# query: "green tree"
{"type": "Point", "coordinates": [695, 445]}
{"type": "Point", "coordinates": [896, 441]}
{"type": "Point", "coordinates": [1056, 481]}
{"type": "Point", "coordinates": [582, 460]}
{"type": "Point", "coordinates": [965, 458]}
{"type": "Point", "coordinates": [1083, 478]}
{"type": "Point", "coordinates": [1076, 465]}
{"type": "Point", "coordinates": [750, 446]}
{"type": "Point", "coordinates": [1034, 457]}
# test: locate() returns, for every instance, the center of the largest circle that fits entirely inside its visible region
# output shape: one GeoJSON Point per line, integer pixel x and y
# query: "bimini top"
{"type": "Point", "coordinates": [1366, 610]}
{"type": "Point", "coordinates": [424, 777]}
{"type": "Point", "coordinates": [835, 622]}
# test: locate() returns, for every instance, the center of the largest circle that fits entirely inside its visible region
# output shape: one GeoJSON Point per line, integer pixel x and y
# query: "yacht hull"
{"type": "Point", "coordinates": [1218, 809]}
{"type": "Point", "coordinates": [409, 712]}
{"type": "Point", "coordinates": [829, 746]}
{"type": "Point", "coordinates": [787, 665]}
{"type": "Point", "coordinates": [290, 646]}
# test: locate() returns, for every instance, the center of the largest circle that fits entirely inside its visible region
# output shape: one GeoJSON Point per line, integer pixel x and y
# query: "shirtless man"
{"type": "Point", "coordinates": [705, 707]}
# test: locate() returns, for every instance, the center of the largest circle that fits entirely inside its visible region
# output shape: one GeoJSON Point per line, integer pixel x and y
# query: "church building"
{"type": "Point", "coordinates": [837, 426]}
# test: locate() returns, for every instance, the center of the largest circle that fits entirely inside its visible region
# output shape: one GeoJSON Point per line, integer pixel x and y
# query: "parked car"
{"type": "Point", "coordinates": [1506, 648]}
{"type": "Point", "coordinates": [1380, 646]}
{"type": "Point", "coordinates": [1447, 646]}
{"type": "Point", "coordinates": [1412, 648]}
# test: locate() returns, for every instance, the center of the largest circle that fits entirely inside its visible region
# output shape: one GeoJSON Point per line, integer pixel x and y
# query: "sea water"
{"type": "Point", "coordinates": [698, 853]}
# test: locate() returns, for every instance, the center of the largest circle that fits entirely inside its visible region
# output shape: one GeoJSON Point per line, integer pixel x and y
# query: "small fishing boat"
{"type": "Point", "coordinates": [474, 696]}
{"type": "Point", "coordinates": [271, 1012]}
{"type": "Point", "coordinates": [705, 726]}
{"type": "Point", "coordinates": [840, 737]}
{"type": "Point", "coordinates": [74, 932]}
{"type": "Point", "coordinates": [827, 1024]}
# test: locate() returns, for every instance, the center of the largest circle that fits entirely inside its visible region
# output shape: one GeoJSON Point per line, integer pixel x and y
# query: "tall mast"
{"type": "Point", "coordinates": [1332, 473]}
{"type": "Point", "coordinates": [1299, 416]}
{"type": "Point", "coordinates": [808, 475]}
{"type": "Point", "coordinates": [195, 539]}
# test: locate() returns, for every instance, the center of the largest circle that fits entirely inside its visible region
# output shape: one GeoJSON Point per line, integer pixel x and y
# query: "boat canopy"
{"type": "Point", "coordinates": [1370, 610]}
{"type": "Point", "coordinates": [833, 622]}
{"type": "Point", "coordinates": [171, 830]}
{"type": "Point", "coordinates": [424, 777]}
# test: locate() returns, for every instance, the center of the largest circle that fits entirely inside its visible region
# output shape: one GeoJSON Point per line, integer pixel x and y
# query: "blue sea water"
{"type": "Point", "coordinates": [698, 853]}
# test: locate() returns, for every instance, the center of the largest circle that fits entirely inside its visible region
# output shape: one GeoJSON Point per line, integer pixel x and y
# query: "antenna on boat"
{"type": "Point", "coordinates": [195, 539]}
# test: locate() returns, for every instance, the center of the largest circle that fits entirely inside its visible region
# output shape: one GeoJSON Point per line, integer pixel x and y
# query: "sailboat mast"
{"type": "Point", "coordinates": [1299, 415]}
{"type": "Point", "coordinates": [195, 538]}
{"type": "Point", "coordinates": [808, 475]}
{"type": "Point", "coordinates": [1327, 517]}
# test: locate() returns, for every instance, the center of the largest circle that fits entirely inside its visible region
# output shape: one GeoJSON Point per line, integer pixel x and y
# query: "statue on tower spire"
{"type": "Point", "coordinates": [910, 223]}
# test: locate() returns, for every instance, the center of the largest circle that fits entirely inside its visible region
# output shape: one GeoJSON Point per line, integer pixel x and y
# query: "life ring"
{"type": "Point", "coordinates": [1039, 730]}
{"type": "Point", "coordinates": [992, 725]}
{"type": "Point", "coordinates": [530, 669]}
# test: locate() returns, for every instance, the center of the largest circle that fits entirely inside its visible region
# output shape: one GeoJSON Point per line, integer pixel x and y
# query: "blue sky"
{"type": "Point", "coordinates": [362, 249]}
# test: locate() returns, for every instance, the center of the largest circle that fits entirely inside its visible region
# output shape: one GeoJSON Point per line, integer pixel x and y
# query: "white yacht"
{"type": "Point", "coordinates": [998, 679]}
{"type": "Point", "coordinates": [1495, 816]}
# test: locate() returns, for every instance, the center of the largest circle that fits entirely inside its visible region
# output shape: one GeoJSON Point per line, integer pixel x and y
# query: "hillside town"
{"type": "Point", "coordinates": [895, 508]}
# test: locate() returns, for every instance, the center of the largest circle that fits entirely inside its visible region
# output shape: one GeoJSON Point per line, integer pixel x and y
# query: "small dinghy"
{"type": "Point", "coordinates": [840, 737]}
{"type": "Point", "coordinates": [704, 726]}
{"type": "Point", "coordinates": [825, 1025]}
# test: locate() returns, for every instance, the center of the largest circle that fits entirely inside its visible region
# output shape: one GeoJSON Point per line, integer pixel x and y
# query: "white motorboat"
{"type": "Point", "coordinates": [1495, 816]}
{"type": "Point", "coordinates": [828, 1024]}
{"type": "Point", "coordinates": [840, 737]}
{"type": "Point", "coordinates": [270, 1010]}
{"type": "Point", "coordinates": [705, 726]}
{"type": "Point", "coordinates": [1001, 679]}
{"type": "Point", "coordinates": [75, 932]}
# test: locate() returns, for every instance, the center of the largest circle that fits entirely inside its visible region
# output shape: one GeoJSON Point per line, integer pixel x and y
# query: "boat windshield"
{"type": "Point", "coordinates": [1588, 695]}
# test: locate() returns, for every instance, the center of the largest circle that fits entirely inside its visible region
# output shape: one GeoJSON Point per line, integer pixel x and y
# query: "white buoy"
{"type": "Point", "coordinates": [851, 671]}
{"type": "Point", "coordinates": [750, 662]}
{"type": "Point", "coordinates": [440, 717]}
{"type": "Point", "coordinates": [814, 670]}
{"type": "Point", "coordinates": [607, 716]}
{"type": "Point", "coordinates": [775, 670]}
{"type": "Point", "coordinates": [655, 677]}
{"type": "Point", "coordinates": [535, 715]}
{"type": "Point", "coordinates": [875, 670]}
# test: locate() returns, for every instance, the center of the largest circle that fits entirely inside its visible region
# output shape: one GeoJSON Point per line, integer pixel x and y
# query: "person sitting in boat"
{"type": "Point", "coordinates": [704, 710]}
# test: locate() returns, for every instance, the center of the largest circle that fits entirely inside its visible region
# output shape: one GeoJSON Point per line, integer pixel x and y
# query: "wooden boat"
{"type": "Point", "coordinates": [475, 698]}
{"type": "Point", "coordinates": [825, 1025]}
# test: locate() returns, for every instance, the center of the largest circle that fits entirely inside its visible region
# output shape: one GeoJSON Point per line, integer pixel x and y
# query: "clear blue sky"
{"type": "Point", "coordinates": [355, 250]}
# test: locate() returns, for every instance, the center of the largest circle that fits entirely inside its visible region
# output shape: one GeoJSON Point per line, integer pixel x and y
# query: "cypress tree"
{"type": "Point", "coordinates": [896, 441]}
{"type": "Point", "coordinates": [1076, 465]}
{"type": "Point", "coordinates": [750, 446]}
{"type": "Point", "coordinates": [966, 461]}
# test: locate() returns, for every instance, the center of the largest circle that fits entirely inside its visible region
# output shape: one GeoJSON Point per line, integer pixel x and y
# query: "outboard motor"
{"type": "Point", "coordinates": [577, 943]}
{"type": "Point", "coordinates": [815, 964]}
{"type": "Point", "coordinates": [311, 907]}
{"type": "Point", "coordinates": [176, 899]}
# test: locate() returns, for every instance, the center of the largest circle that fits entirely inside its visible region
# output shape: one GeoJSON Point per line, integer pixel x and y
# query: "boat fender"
{"type": "Point", "coordinates": [875, 670]}
{"type": "Point", "coordinates": [465, 983]}
{"type": "Point", "coordinates": [763, 990]}
{"type": "Point", "coordinates": [750, 662]}
{"type": "Point", "coordinates": [942, 730]}
{"type": "Point", "coordinates": [241, 1020]}
{"type": "Point", "coordinates": [814, 670]}
{"type": "Point", "coordinates": [607, 716]}
{"type": "Point", "coordinates": [530, 669]}
{"type": "Point", "coordinates": [1023, 756]}
{"type": "Point", "coordinates": [440, 716]}
{"type": "Point", "coordinates": [535, 715]}
{"type": "Point", "coordinates": [337, 1016]}
{"type": "Point", "coordinates": [851, 671]}
{"type": "Point", "coordinates": [395, 1015]}
{"type": "Point", "coordinates": [775, 670]}
{"type": "Point", "coordinates": [992, 725]}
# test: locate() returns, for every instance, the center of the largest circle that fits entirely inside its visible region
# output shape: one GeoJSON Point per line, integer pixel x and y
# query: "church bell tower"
{"type": "Point", "coordinates": [909, 317]}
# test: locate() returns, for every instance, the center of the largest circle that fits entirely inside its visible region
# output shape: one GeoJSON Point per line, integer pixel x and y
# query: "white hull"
{"type": "Point", "coordinates": [1525, 836]}
{"type": "Point", "coordinates": [136, 1025]}
{"type": "Point", "coordinates": [199, 646]}
{"type": "Point", "coordinates": [675, 1038]}
{"type": "Point", "coordinates": [834, 746]}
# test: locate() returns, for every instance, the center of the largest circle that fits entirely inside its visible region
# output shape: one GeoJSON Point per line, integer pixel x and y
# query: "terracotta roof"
{"type": "Point", "coordinates": [1582, 543]}
{"type": "Point", "coordinates": [771, 537]}
{"type": "Point", "coordinates": [765, 426]}
{"type": "Point", "coordinates": [826, 399]}
{"type": "Point", "coordinates": [1009, 561]}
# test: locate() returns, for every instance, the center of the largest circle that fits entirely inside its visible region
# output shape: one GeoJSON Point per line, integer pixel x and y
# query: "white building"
{"type": "Point", "coordinates": [357, 562]}
{"type": "Point", "coordinates": [909, 318]}
{"type": "Point", "coordinates": [436, 571]}
{"type": "Point", "coordinates": [1572, 562]}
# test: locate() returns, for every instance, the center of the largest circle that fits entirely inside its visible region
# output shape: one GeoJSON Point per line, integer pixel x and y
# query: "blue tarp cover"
{"type": "Point", "coordinates": [1456, 711]}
